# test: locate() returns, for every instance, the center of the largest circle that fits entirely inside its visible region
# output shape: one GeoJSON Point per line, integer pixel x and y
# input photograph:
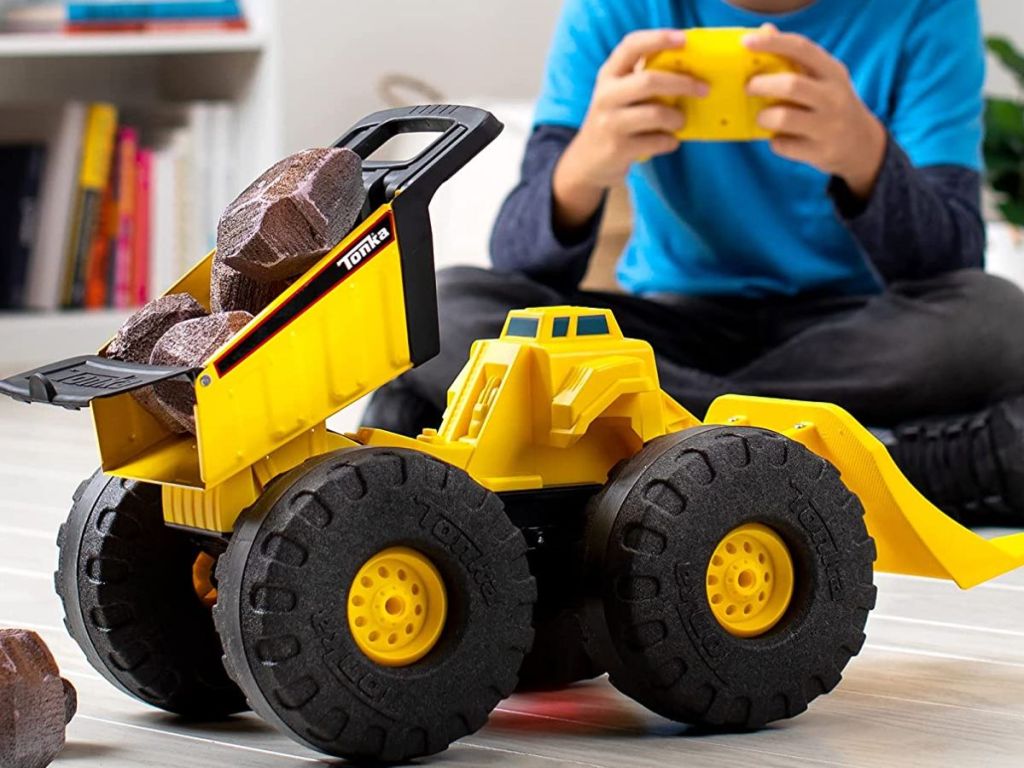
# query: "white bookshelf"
{"type": "Point", "coordinates": [240, 66]}
{"type": "Point", "coordinates": [57, 46]}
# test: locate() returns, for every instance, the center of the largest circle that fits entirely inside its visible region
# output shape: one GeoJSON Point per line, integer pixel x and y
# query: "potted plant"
{"type": "Point", "coordinates": [1004, 162]}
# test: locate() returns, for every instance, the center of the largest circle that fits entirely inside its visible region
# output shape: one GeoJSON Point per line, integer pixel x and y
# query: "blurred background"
{"type": "Point", "coordinates": [193, 106]}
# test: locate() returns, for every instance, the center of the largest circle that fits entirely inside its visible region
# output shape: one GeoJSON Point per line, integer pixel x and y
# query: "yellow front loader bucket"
{"type": "Point", "coordinates": [913, 536]}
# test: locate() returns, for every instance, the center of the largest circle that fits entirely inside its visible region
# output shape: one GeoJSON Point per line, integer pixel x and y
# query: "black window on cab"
{"type": "Point", "coordinates": [592, 325]}
{"type": "Point", "coordinates": [523, 326]}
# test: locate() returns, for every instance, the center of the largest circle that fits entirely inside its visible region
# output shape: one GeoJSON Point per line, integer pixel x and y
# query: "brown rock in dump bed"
{"type": "Point", "coordinates": [190, 344]}
{"type": "Point", "coordinates": [232, 291]}
{"type": "Point", "coordinates": [35, 702]}
{"type": "Point", "coordinates": [292, 214]}
{"type": "Point", "coordinates": [140, 333]}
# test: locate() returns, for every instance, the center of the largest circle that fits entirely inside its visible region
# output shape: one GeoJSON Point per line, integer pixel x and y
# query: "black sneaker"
{"type": "Point", "coordinates": [971, 467]}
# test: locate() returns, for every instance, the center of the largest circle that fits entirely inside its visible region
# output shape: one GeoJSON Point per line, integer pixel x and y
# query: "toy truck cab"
{"type": "Point", "coordinates": [557, 400]}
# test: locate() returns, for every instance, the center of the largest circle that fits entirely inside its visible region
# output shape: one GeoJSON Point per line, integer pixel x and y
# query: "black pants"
{"type": "Point", "coordinates": [952, 344]}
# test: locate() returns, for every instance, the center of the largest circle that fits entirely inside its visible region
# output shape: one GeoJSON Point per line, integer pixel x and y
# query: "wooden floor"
{"type": "Point", "coordinates": [940, 682]}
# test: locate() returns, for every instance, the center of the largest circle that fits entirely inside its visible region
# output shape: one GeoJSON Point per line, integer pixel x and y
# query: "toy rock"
{"type": "Point", "coordinates": [190, 344]}
{"type": "Point", "coordinates": [232, 291]}
{"type": "Point", "coordinates": [138, 335]}
{"type": "Point", "coordinates": [36, 703]}
{"type": "Point", "coordinates": [292, 214]}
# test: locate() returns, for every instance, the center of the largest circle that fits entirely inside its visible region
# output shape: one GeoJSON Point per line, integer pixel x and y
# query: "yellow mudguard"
{"type": "Point", "coordinates": [913, 536]}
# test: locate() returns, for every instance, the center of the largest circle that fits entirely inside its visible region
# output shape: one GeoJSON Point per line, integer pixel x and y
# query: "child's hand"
{"type": "Point", "coordinates": [823, 121]}
{"type": "Point", "coordinates": [623, 125]}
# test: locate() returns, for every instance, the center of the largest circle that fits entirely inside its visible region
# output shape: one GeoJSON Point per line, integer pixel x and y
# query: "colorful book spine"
{"type": "Point", "coordinates": [143, 203]}
{"type": "Point", "coordinates": [164, 9]}
{"type": "Point", "coordinates": [124, 259]}
{"type": "Point", "coordinates": [179, 25]}
{"type": "Point", "coordinates": [101, 250]}
{"type": "Point", "coordinates": [94, 172]}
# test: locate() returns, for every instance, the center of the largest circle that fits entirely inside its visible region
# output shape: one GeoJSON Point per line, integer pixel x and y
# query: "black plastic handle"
{"type": "Point", "coordinates": [462, 133]}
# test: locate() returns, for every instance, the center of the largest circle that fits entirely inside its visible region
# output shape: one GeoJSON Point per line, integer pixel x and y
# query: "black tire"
{"type": "Point", "coordinates": [650, 537]}
{"type": "Point", "coordinates": [125, 580]}
{"type": "Point", "coordinates": [282, 611]}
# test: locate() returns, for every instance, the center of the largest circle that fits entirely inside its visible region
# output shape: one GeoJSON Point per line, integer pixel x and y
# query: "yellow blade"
{"type": "Point", "coordinates": [913, 536]}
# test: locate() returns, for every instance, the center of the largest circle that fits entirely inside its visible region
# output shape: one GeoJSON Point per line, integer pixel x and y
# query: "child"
{"type": "Point", "coordinates": [838, 262]}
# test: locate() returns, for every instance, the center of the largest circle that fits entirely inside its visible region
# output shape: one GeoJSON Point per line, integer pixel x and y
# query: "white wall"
{"type": "Point", "coordinates": [335, 52]}
{"type": "Point", "coordinates": [1003, 17]}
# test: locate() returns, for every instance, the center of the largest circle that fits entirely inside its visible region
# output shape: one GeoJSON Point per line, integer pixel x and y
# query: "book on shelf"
{"type": "Point", "coordinates": [139, 288]}
{"type": "Point", "coordinates": [93, 177]}
{"type": "Point", "coordinates": [178, 26]}
{"type": "Point", "coordinates": [123, 16]}
{"type": "Point", "coordinates": [107, 206]}
{"type": "Point", "coordinates": [139, 10]}
{"type": "Point", "coordinates": [21, 170]}
{"type": "Point", "coordinates": [46, 266]}
{"type": "Point", "coordinates": [122, 262]}
{"type": "Point", "coordinates": [162, 16]}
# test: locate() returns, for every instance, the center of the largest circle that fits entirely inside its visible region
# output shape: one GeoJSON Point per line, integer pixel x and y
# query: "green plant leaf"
{"type": "Point", "coordinates": [1001, 158]}
{"type": "Point", "coordinates": [1004, 146]}
{"type": "Point", "coordinates": [1013, 211]}
{"type": "Point", "coordinates": [1008, 183]}
{"type": "Point", "coordinates": [1004, 118]}
{"type": "Point", "coordinates": [1004, 138]}
{"type": "Point", "coordinates": [1010, 58]}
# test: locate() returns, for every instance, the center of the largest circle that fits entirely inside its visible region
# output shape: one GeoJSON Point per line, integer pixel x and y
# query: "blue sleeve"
{"type": "Point", "coordinates": [938, 107]}
{"type": "Point", "coordinates": [586, 34]}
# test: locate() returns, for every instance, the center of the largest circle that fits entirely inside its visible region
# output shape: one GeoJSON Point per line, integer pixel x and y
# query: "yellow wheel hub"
{"type": "Point", "coordinates": [397, 607]}
{"type": "Point", "coordinates": [750, 580]}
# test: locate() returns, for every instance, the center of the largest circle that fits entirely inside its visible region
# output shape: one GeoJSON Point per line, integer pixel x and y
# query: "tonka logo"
{"type": "Point", "coordinates": [692, 609]}
{"type": "Point", "coordinates": [821, 538]}
{"type": "Point", "coordinates": [350, 669]}
{"type": "Point", "coordinates": [462, 547]}
{"type": "Point", "coordinates": [79, 378]}
{"type": "Point", "coordinates": [370, 244]}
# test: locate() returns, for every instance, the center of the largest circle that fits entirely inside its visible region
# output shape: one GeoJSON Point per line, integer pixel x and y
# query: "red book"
{"type": "Point", "coordinates": [141, 256]}
{"type": "Point", "coordinates": [124, 260]}
{"type": "Point", "coordinates": [180, 25]}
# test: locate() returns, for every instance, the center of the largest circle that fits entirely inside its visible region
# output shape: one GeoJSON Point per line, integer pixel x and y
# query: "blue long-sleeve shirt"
{"type": "Point", "coordinates": [919, 222]}
{"type": "Point", "coordinates": [736, 219]}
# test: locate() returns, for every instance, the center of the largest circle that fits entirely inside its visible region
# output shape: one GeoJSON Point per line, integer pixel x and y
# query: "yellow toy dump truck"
{"type": "Point", "coordinates": [375, 596]}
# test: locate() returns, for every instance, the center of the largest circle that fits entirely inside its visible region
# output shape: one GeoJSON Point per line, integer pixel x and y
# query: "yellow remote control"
{"type": "Point", "coordinates": [718, 57]}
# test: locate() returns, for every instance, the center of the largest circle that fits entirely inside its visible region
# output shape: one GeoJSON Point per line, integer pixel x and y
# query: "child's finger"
{"type": "Point", "coordinates": [650, 84]}
{"type": "Point", "coordinates": [648, 118]}
{"type": "Point", "coordinates": [788, 121]}
{"type": "Point", "coordinates": [814, 59]}
{"type": "Point", "coordinates": [786, 86]}
{"type": "Point", "coordinates": [797, 148]}
{"type": "Point", "coordinates": [648, 145]}
{"type": "Point", "coordinates": [639, 45]}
